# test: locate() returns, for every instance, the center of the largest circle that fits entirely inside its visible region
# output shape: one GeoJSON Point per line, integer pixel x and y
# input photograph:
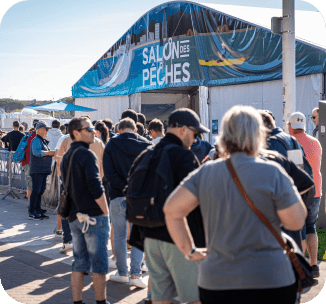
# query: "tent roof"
{"type": "Point", "coordinates": [209, 44]}
{"type": "Point", "coordinates": [310, 26]}
{"type": "Point", "coordinates": [61, 106]}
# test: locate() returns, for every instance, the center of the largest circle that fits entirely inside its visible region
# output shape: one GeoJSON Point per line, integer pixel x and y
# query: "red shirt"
{"type": "Point", "coordinates": [28, 150]}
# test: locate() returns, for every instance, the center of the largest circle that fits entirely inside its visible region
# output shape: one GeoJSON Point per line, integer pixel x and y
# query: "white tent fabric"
{"type": "Point", "coordinates": [107, 107]}
{"type": "Point", "coordinates": [203, 108]}
{"type": "Point", "coordinates": [135, 102]}
{"type": "Point", "coordinates": [309, 25]}
{"type": "Point", "coordinates": [268, 96]}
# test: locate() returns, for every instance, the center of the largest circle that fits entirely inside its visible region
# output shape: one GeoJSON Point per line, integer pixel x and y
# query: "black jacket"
{"type": "Point", "coordinates": [119, 154]}
{"type": "Point", "coordinates": [182, 162]}
{"type": "Point", "coordinates": [85, 184]}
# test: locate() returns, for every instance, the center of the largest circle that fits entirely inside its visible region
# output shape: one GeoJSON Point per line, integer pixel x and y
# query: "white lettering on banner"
{"type": "Point", "coordinates": [169, 72]}
{"type": "Point", "coordinates": [3, 165]}
{"type": "Point", "coordinates": [16, 168]}
{"type": "Point", "coordinates": [145, 76]}
{"type": "Point", "coordinates": [145, 61]}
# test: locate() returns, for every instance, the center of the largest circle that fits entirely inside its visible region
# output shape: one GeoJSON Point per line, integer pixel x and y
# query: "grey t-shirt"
{"type": "Point", "coordinates": [242, 252]}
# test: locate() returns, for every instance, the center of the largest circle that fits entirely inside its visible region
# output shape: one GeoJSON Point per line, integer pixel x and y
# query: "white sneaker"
{"type": "Point", "coordinates": [65, 247]}
{"type": "Point", "coordinates": [118, 278]}
{"type": "Point", "coordinates": [112, 264]}
{"type": "Point", "coordinates": [144, 267]}
{"type": "Point", "coordinates": [137, 282]}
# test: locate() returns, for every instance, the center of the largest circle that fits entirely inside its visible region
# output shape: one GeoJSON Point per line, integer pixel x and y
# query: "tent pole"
{"type": "Point", "coordinates": [288, 49]}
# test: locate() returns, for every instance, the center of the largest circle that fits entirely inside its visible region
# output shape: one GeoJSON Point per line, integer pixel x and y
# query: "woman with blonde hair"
{"type": "Point", "coordinates": [244, 261]}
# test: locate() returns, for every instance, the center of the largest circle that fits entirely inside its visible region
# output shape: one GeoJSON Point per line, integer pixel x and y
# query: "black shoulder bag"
{"type": "Point", "coordinates": [63, 209]}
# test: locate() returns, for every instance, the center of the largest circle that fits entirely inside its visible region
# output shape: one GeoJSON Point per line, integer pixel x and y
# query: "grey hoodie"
{"type": "Point", "coordinates": [53, 137]}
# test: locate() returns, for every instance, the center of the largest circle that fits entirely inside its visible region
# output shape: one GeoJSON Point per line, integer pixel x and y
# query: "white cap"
{"type": "Point", "coordinates": [297, 121]}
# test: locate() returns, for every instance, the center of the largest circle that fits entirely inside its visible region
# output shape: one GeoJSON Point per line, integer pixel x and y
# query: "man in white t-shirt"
{"type": "Point", "coordinates": [156, 130]}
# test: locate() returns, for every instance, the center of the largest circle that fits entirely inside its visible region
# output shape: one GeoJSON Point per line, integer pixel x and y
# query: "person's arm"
{"type": "Point", "coordinates": [294, 217]}
{"type": "Point", "coordinates": [37, 149]}
{"type": "Point", "coordinates": [103, 204]}
{"type": "Point", "coordinates": [177, 207]}
{"type": "Point", "coordinates": [94, 182]}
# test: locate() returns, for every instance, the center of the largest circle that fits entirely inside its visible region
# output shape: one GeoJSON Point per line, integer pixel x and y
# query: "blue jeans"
{"type": "Point", "coordinates": [39, 185]}
{"type": "Point", "coordinates": [119, 223]}
{"type": "Point", "coordinates": [310, 225]}
{"type": "Point", "coordinates": [90, 248]}
{"type": "Point", "coordinates": [67, 237]}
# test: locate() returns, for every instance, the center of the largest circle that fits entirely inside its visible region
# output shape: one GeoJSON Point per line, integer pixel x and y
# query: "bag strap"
{"type": "Point", "coordinates": [65, 190]}
{"type": "Point", "coordinates": [250, 203]}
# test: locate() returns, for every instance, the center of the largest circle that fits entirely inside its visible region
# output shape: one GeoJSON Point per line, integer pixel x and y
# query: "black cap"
{"type": "Point", "coordinates": [186, 117]}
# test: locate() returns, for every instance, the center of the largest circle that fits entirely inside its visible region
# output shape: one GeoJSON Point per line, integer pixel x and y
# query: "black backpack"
{"type": "Point", "coordinates": [307, 197]}
{"type": "Point", "coordinates": [149, 185]}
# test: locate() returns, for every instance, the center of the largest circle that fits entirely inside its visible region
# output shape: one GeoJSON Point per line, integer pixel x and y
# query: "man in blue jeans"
{"type": "Point", "coordinates": [40, 168]}
{"type": "Point", "coordinates": [89, 213]}
{"type": "Point", "coordinates": [119, 154]}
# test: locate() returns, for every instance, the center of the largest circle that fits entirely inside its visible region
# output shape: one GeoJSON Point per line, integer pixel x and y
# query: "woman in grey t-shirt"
{"type": "Point", "coordinates": [244, 261]}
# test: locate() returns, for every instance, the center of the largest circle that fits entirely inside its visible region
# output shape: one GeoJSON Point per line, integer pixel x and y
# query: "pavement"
{"type": "Point", "coordinates": [33, 271]}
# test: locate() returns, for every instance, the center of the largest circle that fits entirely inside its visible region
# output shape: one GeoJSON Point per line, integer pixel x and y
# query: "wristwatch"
{"type": "Point", "coordinates": [191, 253]}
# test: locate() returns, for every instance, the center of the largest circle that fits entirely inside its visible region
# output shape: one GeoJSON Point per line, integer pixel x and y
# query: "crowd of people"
{"type": "Point", "coordinates": [211, 247]}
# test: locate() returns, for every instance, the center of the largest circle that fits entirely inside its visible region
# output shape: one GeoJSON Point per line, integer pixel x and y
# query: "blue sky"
{"type": "Point", "coordinates": [47, 45]}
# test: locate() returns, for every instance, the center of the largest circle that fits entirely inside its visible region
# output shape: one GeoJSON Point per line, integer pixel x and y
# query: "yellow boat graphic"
{"type": "Point", "coordinates": [225, 62]}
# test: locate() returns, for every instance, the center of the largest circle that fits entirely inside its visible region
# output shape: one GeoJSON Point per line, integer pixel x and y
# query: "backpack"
{"type": "Point", "coordinates": [307, 197]}
{"type": "Point", "coordinates": [149, 185]}
{"type": "Point", "coordinates": [19, 154]}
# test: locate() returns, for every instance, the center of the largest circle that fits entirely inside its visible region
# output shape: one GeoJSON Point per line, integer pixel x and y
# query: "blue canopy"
{"type": "Point", "coordinates": [61, 106]}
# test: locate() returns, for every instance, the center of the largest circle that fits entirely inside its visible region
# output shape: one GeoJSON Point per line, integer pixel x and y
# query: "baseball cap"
{"type": "Point", "coordinates": [186, 117]}
{"type": "Point", "coordinates": [297, 121]}
{"type": "Point", "coordinates": [42, 124]}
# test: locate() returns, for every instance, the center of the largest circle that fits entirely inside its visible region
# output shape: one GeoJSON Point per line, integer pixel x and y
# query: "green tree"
{"type": "Point", "coordinates": [10, 105]}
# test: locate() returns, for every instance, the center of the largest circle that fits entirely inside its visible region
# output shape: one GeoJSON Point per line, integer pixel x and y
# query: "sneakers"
{"type": "Point", "coordinates": [144, 267]}
{"type": "Point", "coordinates": [118, 278]}
{"type": "Point", "coordinates": [112, 264]}
{"type": "Point", "coordinates": [35, 217]}
{"type": "Point", "coordinates": [137, 282]}
{"type": "Point", "coordinates": [44, 216]}
{"type": "Point", "coordinates": [65, 247]}
{"type": "Point", "coordinates": [58, 233]}
{"type": "Point", "coordinates": [315, 271]}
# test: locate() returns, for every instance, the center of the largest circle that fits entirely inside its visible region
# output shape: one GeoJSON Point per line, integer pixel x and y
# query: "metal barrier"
{"type": "Point", "coordinates": [11, 174]}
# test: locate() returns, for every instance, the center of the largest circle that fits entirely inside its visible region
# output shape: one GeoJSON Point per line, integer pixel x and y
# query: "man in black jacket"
{"type": "Point", "coordinates": [169, 271]}
{"type": "Point", "coordinates": [119, 154]}
{"type": "Point", "coordinates": [88, 218]}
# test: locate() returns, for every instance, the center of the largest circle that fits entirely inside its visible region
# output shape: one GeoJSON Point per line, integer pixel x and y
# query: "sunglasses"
{"type": "Point", "coordinates": [313, 117]}
{"type": "Point", "coordinates": [89, 129]}
{"type": "Point", "coordinates": [194, 130]}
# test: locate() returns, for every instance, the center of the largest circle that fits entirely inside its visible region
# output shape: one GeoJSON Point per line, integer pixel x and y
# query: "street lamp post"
{"type": "Point", "coordinates": [288, 67]}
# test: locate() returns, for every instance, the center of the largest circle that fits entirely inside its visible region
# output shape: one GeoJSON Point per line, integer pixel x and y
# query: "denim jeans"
{"type": "Point", "coordinates": [90, 248]}
{"type": "Point", "coordinates": [39, 185]}
{"type": "Point", "coordinates": [67, 237]}
{"type": "Point", "coordinates": [119, 222]}
{"type": "Point", "coordinates": [310, 225]}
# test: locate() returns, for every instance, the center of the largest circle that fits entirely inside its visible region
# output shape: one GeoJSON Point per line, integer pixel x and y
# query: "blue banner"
{"type": "Point", "coordinates": [180, 44]}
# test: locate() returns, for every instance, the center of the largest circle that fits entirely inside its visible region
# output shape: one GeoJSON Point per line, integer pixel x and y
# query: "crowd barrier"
{"type": "Point", "coordinates": [13, 176]}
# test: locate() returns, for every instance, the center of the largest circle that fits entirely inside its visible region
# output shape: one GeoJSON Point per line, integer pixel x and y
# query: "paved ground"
{"type": "Point", "coordinates": [33, 271]}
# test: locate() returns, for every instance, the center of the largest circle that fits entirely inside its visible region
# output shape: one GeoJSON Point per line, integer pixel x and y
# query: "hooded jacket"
{"type": "Point", "coordinates": [201, 148]}
{"type": "Point", "coordinates": [53, 137]}
{"type": "Point", "coordinates": [119, 154]}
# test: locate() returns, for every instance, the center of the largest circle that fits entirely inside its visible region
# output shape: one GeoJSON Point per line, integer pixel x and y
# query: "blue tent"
{"type": "Point", "coordinates": [61, 106]}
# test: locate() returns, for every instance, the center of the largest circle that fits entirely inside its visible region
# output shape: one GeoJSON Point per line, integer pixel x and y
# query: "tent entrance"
{"type": "Point", "coordinates": [160, 103]}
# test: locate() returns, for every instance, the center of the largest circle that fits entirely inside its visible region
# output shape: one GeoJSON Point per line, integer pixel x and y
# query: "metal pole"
{"type": "Point", "coordinates": [288, 49]}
